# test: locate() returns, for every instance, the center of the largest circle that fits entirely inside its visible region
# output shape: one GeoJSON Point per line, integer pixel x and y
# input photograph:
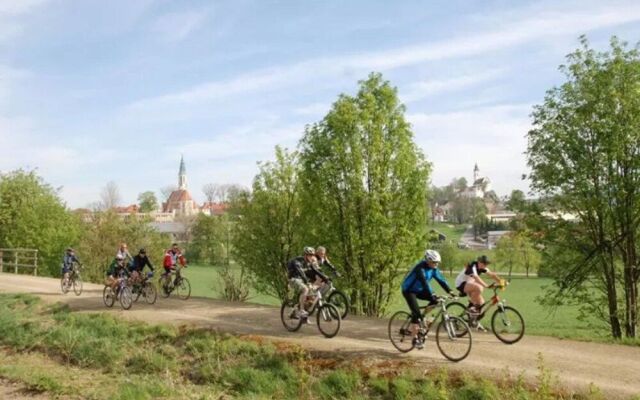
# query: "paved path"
{"type": "Point", "coordinates": [615, 369]}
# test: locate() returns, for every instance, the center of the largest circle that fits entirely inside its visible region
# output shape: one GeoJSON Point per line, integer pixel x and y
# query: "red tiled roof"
{"type": "Point", "coordinates": [174, 200]}
{"type": "Point", "coordinates": [131, 209]}
{"type": "Point", "coordinates": [216, 208]}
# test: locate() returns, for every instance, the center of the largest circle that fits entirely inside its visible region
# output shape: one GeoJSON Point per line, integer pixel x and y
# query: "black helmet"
{"type": "Point", "coordinates": [484, 259]}
{"type": "Point", "coordinates": [142, 251]}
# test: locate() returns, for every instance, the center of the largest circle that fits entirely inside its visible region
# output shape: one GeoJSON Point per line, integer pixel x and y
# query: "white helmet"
{"type": "Point", "coordinates": [432, 255]}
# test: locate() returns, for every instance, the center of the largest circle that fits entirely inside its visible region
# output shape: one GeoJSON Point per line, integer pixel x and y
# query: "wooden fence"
{"type": "Point", "coordinates": [11, 260]}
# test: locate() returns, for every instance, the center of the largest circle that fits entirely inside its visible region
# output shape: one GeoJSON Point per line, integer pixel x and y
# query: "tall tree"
{"type": "Point", "coordinates": [147, 201]}
{"type": "Point", "coordinates": [110, 196]}
{"type": "Point", "coordinates": [364, 187]}
{"type": "Point", "coordinates": [32, 215]}
{"type": "Point", "coordinates": [584, 154]}
{"type": "Point", "coordinates": [268, 231]}
{"type": "Point", "coordinates": [166, 191]}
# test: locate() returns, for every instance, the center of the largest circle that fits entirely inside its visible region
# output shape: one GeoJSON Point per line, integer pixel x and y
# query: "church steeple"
{"type": "Point", "coordinates": [476, 173]}
{"type": "Point", "coordinates": [182, 175]}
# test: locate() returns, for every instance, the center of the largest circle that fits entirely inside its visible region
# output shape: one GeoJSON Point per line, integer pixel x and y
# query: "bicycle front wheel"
{"type": "Point", "coordinates": [77, 285]}
{"type": "Point", "coordinates": [328, 319]}
{"type": "Point", "coordinates": [289, 317]}
{"type": "Point", "coordinates": [507, 324]}
{"type": "Point", "coordinates": [183, 288]}
{"type": "Point", "coordinates": [453, 338]}
{"type": "Point", "coordinates": [126, 298]}
{"type": "Point", "coordinates": [149, 293]}
{"type": "Point", "coordinates": [340, 301]}
{"type": "Point", "coordinates": [400, 331]}
{"type": "Point", "coordinates": [64, 286]}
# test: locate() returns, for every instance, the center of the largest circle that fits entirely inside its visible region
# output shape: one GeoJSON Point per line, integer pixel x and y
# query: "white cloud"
{"type": "Point", "coordinates": [524, 28]}
{"type": "Point", "coordinates": [420, 90]}
{"type": "Point", "coordinates": [494, 137]}
{"type": "Point", "coordinates": [177, 26]}
{"type": "Point", "coordinates": [314, 109]}
{"type": "Point", "coordinates": [11, 11]}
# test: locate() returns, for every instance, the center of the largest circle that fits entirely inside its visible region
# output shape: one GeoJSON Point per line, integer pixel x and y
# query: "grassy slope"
{"type": "Point", "coordinates": [97, 356]}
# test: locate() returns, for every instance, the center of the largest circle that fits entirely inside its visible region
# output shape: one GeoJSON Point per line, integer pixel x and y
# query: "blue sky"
{"type": "Point", "coordinates": [94, 91]}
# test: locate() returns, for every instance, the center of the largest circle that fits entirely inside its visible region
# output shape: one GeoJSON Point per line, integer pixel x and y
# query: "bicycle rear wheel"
{"type": "Point", "coordinates": [453, 338]}
{"type": "Point", "coordinates": [507, 324]}
{"type": "Point", "coordinates": [183, 289]}
{"type": "Point", "coordinates": [459, 310]}
{"type": "Point", "coordinates": [77, 285]}
{"type": "Point", "coordinates": [126, 298]}
{"type": "Point", "coordinates": [400, 332]}
{"type": "Point", "coordinates": [64, 286]}
{"type": "Point", "coordinates": [328, 319]}
{"type": "Point", "coordinates": [108, 297]}
{"type": "Point", "coordinates": [340, 301]}
{"type": "Point", "coordinates": [164, 283]}
{"type": "Point", "coordinates": [288, 316]}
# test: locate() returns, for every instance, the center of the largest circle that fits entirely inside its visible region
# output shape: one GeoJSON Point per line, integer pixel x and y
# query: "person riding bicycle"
{"type": "Point", "coordinates": [469, 283]}
{"type": "Point", "coordinates": [172, 258]}
{"type": "Point", "coordinates": [316, 274]}
{"type": "Point", "coordinates": [298, 273]}
{"type": "Point", "coordinates": [123, 252]}
{"type": "Point", "coordinates": [416, 286]}
{"type": "Point", "coordinates": [115, 272]}
{"type": "Point", "coordinates": [136, 267]}
{"type": "Point", "coordinates": [67, 263]}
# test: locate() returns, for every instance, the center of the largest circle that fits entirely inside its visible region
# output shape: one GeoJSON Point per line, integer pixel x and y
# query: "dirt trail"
{"type": "Point", "coordinates": [615, 369]}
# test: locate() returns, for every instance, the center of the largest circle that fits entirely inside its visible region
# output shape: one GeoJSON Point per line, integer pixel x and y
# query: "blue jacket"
{"type": "Point", "coordinates": [417, 280]}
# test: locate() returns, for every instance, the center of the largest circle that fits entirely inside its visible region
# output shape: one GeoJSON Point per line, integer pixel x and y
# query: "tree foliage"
{"type": "Point", "coordinates": [147, 201]}
{"type": "Point", "coordinates": [110, 196]}
{"type": "Point", "coordinates": [516, 251]}
{"type": "Point", "coordinates": [32, 215]}
{"type": "Point", "coordinates": [268, 229]}
{"type": "Point", "coordinates": [207, 245]}
{"type": "Point", "coordinates": [364, 191]}
{"type": "Point", "coordinates": [584, 154]}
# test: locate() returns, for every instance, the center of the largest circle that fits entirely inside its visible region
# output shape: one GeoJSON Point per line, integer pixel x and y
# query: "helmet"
{"type": "Point", "coordinates": [432, 255]}
{"type": "Point", "coordinates": [69, 249]}
{"type": "Point", "coordinates": [142, 251]}
{"type": "Point", "coordinates": [484, 259]}
{"type": "Point", "coordinates": [309, 251]}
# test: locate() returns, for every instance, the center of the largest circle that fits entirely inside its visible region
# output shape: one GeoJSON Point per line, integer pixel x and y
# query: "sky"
{"type": "Point", "coordinates": [95, 91]}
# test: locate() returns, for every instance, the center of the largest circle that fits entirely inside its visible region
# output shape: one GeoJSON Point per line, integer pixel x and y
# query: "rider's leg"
{"type": "Point", "coordinates": [412, 302]}
{"type": "Point", "coordinates": [474, 291]}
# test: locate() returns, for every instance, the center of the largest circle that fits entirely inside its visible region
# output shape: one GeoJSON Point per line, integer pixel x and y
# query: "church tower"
{"type": "Point", "coordinates": [182, 175]}
{"type": "Point", "coordinates": [476, 173]}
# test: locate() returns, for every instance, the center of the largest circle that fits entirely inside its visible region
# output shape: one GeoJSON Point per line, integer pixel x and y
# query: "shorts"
{"type": "Point", "coordinates": [297, 284]}
{"type": "Point", "coordinates": [461, 289]}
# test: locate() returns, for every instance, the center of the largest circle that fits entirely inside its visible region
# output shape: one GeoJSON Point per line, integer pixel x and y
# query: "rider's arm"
{"type": "Point", "coordinates": [331, 267]}
{"type": "Point", "coordinates": [442, 281]}
{"type": "Point", "coordinates": [149, 264]}
{"type": "Point", "coordinates": [494, 276]}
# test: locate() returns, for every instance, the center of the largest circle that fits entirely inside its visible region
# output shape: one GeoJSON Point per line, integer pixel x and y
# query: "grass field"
{"type": "Point", "coordinates": [521, 294]}
{"type": "Point", "coordinates": [50, 350]}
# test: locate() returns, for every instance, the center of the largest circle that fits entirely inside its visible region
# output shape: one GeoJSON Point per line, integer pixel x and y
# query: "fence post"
{"type": "Point", "coordinates": [15, 260]}
{"type": "Point", "coordinates": [35, 263]}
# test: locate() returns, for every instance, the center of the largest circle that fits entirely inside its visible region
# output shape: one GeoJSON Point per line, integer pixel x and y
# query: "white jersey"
{"type": "Point", "coordinates": [469, 272]}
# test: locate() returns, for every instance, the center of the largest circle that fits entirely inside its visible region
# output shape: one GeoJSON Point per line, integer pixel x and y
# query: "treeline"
{"type": "Point", "coordinates": [32, 215]}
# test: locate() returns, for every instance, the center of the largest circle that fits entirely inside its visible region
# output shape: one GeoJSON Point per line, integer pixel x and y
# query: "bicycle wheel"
{"type": "Point", "coordinates": [328, 319]}
{"type": "Point", "coordinates": [64, 287]}
{"type": "Point", "coordinates": [126, 298]}
{"type": "Point", "coordinates": [164, 283]}
{"type": "Point", "coordinates": [183, 288]}
{"type": "Point", "coordinates": [507, 324]}
{"type": "Point", "coordinates": [340, 301]}
{"type": "Point", "coordinates": [459, 310]}
{"type": "Point", "coordinates": [149, 292]}
{"type": "Point", "coordinates": [77, 285]}
{"type": "Point", "coordinates": [108, 297]}
{"type": "Point", "coordinates": [453, 338]}
{"type": "Point", "coordinates": [400, 332]}
{"type": "Point", "coordinates": [288, 316]}
{"type": "Point", "coordinates": [136, 292]}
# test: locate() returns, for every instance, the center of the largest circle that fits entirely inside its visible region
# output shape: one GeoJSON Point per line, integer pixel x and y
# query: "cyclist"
{"type": "Point", "coordinates": [116, 269]}
{"type": "Point", "coordinates": [416, 286]}
{"type": "Point", "coordinates": [317, 276]}
{"type": "Point", "coordinates": [298, 273]}
{"type": "Point", "coordinates": [469, 283]}
{"type": "Point", "coordinates": [67, 263]}
{"type": "Point", "coordinates": [172, 258]}
{"type": "Point", "coordinates": [124, 252]}
{"type": "Point", "coordinates": [136, 267]}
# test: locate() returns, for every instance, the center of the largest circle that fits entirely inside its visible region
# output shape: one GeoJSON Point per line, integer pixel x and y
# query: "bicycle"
{"type": "Point", "coordinates": [122, 294]}
{"type": "Point", "coordinates": [74, 280]}
{"type": "Point", "coordinates": [453, 336]}
{"type": "Point", "coordinates": [335, 297]}
{"type": "Point", "coordinates": [506, 322]}
{"type": "Point", "coordinates": [327, 317]}
{"type": "Point", "coordinates": [180, 284]}
{"type": "Point", "coordinates": [146, 289]}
